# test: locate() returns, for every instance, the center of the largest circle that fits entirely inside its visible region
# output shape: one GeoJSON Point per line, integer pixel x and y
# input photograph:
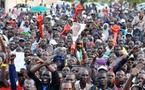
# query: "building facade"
{"type": "Point", "coordinates": [9, 4]}
{"type": "Point", "coordinates": [2, 3]}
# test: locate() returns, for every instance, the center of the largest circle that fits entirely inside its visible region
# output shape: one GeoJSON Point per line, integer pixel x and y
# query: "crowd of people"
{"type": "Point", "coordinates": [108, 54]}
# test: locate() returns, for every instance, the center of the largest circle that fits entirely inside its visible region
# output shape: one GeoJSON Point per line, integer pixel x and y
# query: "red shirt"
{"type": "Point", "coordinates": [9, 88]}
{"type": "Point", "coordinates": [3, 88]}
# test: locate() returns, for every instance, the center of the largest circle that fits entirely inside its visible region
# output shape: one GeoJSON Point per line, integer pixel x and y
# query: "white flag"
{"type": "Point", "coordinates": [19, 60]}
{"type": "Point", "coordinates": [77, 29]}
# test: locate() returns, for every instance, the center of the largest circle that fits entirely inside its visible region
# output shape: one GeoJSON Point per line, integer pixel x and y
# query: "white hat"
{"type": "Point", "coordinates": [99, 40]}
{"type": "Point", "coordinates": [89, 17]}
{"type": "Point", "coordinates": [122, 20]}
{"type": "Point", "coordinates": [102, 68]}
{"type": "Point", "coordinates": [52, 42]}
{"type": "Point", "coordinates": [56, 18]}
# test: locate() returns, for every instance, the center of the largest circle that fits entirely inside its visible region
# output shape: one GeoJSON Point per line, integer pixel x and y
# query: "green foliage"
{"type": "Point", "coordinates": [136, 1]}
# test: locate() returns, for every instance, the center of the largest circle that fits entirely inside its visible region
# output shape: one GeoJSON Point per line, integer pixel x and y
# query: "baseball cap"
{"type": "Point", "coordinates": [128, 35]}
{"type": "Point", "coordinates": [22, 40]}
{"type": "Point", "coordinates": [102, 68]}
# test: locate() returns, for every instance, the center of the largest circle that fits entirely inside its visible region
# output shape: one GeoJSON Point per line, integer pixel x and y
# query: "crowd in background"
{"type": "Point", "coordinates": [109, 53]}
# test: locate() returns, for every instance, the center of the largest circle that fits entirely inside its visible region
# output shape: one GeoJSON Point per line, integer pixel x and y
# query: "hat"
{"type": "Point", "coordinates": [128, 35]}
{"type": "Point", "coordinates": [52, 42]}
{"type": "Point", "coordinates": [99, 40]}
{"type": "Point", "coordinates": [122, 21]}
{"type": "Point", "coordinates": [102, 68]}
{"type": "Point", "coordinates": [22, 40]}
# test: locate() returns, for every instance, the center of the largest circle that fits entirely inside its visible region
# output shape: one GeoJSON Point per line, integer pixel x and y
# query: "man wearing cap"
{"type": "Point", "coordinates": [129, 38]}
{"type": "Point", "coordinates": [102, 69]}
{"type": "Point", "coordinates": [22, 42]}
{"type": "Point", "coordinates": [101, 82]}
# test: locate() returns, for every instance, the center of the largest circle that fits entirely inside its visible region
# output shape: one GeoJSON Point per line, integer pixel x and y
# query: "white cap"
{"type": "Point", "coordinates": [99, 40]}
{"type": "Point", "coordinates": [122, 20]}
{"type": "Point", "coordinates": [102, 68]}
{"type": "Point", "coordinates": [52, 42]}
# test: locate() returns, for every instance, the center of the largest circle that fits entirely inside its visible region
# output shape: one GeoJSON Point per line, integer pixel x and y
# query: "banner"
{"type": "Point", "coordinates": [19, 60]}
{"type": "Point", "coordinates": [77, 29]}
{"type": "Point", "coordinates": [78, 9]}
{"type": "Point", "coordinates": [115, 29]}
{"type": "Point", "coordinates": [39, 19]}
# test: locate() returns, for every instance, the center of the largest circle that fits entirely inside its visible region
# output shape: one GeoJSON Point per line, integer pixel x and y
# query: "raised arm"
{"type": "Point", "coordinates": [37, 66]}
{"type": "Point", "coordinates": [129, 81]}
{"type": "Point", "coordinates": [122, 62]}
{"type": "Point", "coordinates": [12, 72]}
{"type": "Point", "coordinates": [33, 69]}
{"type": "Point", "coordinates": [2, 44]}
{"type": "Point", "coordinates": [55, 84]}
{"type": "Point", "coordinates": [134, 72]}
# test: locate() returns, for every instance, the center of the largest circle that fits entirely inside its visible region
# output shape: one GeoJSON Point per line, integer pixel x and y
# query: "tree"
{"type": "Point", "coordinates": [135, 1]}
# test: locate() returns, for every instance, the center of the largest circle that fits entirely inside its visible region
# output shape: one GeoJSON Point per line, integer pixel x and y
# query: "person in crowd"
{"type": "Point", "coordinates": [48, 81]}
{"type": "Point", "coordinates": [67, 86]}
{"type": "Point", "coordinates": [84, 80]}
{"type": "Point", "coordinates": [73, 47]}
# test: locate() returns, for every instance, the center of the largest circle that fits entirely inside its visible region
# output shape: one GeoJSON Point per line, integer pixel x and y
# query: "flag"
{"type": "Point", "coordinates": [79, 8]}
{"type": "Point", "coordinates": [67, 27]}
{"type": "Point", "coordinates": [39, 19]}
{"type": "Point", "coordinates": [77, 29]}
{"type": "Point", "coordinates": [115, 29]}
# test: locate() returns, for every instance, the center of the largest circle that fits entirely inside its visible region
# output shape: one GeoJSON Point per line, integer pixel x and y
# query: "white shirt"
{"type": "Point", "coordinates": [138, 24]}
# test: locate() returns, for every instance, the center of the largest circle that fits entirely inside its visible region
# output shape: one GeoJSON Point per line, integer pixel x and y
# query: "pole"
{"type": "Point", "coordinates": [42, 2]}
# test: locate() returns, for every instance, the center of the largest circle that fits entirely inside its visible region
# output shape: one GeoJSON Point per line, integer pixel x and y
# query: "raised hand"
{"type": "Point", "coordinates": [49, 60]}
{"type": "Point", "coordinates": [38, 60]}
{"type": "Point", "coordinates": [135, 71]}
